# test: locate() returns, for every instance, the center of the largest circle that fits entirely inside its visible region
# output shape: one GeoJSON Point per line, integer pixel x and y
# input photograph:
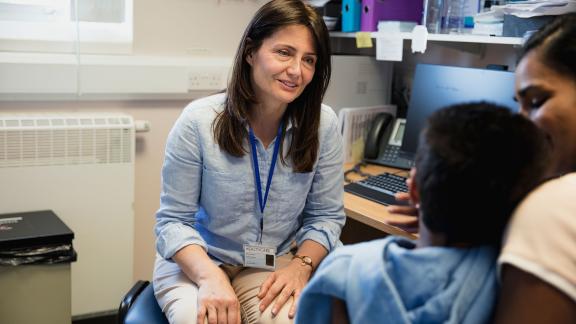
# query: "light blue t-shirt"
{"type": "Point", "coordinates": [390, 281]}
{"type": "Point", "coordinates": [209, 197]}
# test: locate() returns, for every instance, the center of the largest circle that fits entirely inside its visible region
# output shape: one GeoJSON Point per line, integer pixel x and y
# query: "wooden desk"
{"type": "Point", "coordinates": [371, 213]}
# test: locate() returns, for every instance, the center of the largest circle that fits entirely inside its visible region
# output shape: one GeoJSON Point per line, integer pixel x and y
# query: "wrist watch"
{"type": "Point", "coordinates": [306, 260]}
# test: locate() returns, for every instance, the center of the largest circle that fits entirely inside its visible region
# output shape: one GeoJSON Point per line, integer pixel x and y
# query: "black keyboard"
{"type": "Point", "coordinates": [379, 188]}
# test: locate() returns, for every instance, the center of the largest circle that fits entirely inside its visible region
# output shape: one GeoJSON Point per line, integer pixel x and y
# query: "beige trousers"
{"type": "Point", "coordinates": [178, 296]}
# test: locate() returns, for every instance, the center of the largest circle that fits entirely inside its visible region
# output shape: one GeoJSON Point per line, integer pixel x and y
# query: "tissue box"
{"type": "Point", "coordinates": [517, 27]}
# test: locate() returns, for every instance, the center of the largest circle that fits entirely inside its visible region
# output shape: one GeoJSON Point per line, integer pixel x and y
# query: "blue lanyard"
{"type": "Point", "coordinates": [257, 170]}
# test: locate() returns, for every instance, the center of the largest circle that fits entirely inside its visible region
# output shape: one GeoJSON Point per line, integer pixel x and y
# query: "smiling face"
{"type": "Point", "coordinates": [283, 65]}
{"type": "Point", "coordinates": [549, 99]}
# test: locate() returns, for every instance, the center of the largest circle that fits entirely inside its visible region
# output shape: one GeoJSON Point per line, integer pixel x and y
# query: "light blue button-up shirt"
{"type": "Point", "coordinates": [209, 197]}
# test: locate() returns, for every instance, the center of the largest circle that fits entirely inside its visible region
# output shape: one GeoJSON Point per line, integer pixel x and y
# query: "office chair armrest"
{"type": "Point", "coordinates": [129, 299]}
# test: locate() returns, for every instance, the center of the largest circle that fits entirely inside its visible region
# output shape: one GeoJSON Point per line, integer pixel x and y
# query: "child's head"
{"type": "Point", "coordinates": [475, 162]}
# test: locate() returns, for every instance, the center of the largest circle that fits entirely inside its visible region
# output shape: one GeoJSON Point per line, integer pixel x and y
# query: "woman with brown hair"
{"type": "Point", "coordinates": [252, 180]}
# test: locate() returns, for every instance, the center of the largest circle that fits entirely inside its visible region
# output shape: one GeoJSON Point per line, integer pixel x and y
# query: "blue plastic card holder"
{"type": "Point", "coordinates": [351, 13]}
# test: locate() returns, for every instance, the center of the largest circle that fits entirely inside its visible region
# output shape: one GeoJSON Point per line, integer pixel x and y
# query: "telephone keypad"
{"type": "Point", "coordinates": [390, 153]}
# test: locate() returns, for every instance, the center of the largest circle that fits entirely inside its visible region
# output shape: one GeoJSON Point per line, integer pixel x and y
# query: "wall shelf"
{"type": "Point", "coordinates": [457, 38]}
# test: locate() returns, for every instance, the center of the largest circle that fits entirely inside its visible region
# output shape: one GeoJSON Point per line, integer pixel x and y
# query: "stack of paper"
{"type": "Point", "coordinates": [528, 9]}
{"type": "Point", "coordinates": [354, 124]}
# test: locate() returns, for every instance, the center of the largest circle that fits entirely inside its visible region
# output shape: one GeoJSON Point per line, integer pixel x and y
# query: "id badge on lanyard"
{"type": "Point", "coordinates": [258, 255]}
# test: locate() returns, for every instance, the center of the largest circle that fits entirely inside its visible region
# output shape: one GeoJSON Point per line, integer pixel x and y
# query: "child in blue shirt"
{"type": "Point", "coordinates": [474, 163]}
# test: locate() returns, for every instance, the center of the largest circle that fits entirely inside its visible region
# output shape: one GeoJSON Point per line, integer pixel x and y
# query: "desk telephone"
{"type": "Point", "coordinates": [383, 142]}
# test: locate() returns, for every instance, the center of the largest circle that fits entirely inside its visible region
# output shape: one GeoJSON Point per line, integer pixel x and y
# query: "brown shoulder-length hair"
{"type": "Point", "coordinates": [304, 112]}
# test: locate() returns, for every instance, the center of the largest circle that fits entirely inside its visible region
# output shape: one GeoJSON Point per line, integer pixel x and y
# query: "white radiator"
{"type": "Point", "coordinates": [81, 166]}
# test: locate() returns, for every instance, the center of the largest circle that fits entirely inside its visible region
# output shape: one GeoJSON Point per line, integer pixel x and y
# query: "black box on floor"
{"type": "Point", "coordinates": [38, 237]}
{"type": "Point", "coordinates": [33, 229]}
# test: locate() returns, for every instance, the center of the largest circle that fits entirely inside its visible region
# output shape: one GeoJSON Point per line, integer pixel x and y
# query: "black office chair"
{"type": "Point", "coordinates": [139, 306]}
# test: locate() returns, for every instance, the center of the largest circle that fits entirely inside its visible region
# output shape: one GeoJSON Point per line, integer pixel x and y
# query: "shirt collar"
{"type": "Point", "coordinates": [289, 125]}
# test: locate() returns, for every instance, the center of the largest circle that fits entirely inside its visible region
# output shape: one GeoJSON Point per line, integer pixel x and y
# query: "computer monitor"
{"type": "Point", "coordinates": [438, 86]}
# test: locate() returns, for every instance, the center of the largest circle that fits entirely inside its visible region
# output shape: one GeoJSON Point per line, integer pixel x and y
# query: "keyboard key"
{"type": "Point", "coordinates": [386, 182]}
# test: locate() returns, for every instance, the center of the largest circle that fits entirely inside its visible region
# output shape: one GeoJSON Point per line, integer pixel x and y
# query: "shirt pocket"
{"type": "Point", "coordinates": [296, 187]}
{"type": "Point", "coordinates": [224, 199]}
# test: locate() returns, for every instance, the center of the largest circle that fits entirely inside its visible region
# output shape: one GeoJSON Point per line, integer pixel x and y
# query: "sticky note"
{"type": "Point", "coordinates": [363, 40]}
{"type": "Point", "coordinates": [389, 47]}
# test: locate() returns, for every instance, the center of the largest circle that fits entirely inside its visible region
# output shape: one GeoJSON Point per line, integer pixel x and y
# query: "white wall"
{"type": "Point", "coordinates": [171, 28]}
{"type": "Point", "coordinates": [190, 27]}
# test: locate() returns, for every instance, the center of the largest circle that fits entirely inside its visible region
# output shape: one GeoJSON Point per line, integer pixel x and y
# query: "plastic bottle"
{"type": "Point", "coordinates": [454, 16]}
{"type": "Point", "coordinates": [433, 12]}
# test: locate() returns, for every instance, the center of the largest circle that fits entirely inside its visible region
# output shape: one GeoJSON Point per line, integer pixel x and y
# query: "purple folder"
{"type": "Point", "coordinates": [374, 11]}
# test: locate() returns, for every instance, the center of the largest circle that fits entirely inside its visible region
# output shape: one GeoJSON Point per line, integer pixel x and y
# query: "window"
{"type": "Point", "coordinates": [66, 26]}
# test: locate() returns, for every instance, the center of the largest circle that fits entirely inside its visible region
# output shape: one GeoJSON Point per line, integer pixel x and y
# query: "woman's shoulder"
{"type": "Point", "coordinates": [550, 206]}
{"type": "Point", "coordinates": [566, 181]}
{"type": "Point", "coordinates": [326, 112]}
{"type": "Point", "coordinates": [328, 118]}
{"type": "Point", "coordinates": [555, 192]}
{"type": "Point", "coordinates": [205, 108]}
{"type": "Point", "coordinates": [540, 238]}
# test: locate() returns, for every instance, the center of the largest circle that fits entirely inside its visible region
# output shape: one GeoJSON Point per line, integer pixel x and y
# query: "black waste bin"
{"type": "Point", "coordinates": [35, 255]}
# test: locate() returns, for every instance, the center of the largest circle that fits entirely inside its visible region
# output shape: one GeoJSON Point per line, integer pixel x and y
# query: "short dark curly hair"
{"type": "Point", "coordinates": [474, 164]}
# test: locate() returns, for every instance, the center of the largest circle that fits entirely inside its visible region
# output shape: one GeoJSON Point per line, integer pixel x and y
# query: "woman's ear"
{"type": "Point", "coordinates": [249, 58]}
{"type": "Point", "coordinates": [249, 51]}
{"type": "Point", "coordinates": [413, 188]}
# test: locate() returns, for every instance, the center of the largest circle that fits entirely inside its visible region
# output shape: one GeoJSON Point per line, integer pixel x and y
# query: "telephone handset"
{"type": "Point", "coordinates": [383, 141]}
{"type": "Point", "coordinates": [379, 129]}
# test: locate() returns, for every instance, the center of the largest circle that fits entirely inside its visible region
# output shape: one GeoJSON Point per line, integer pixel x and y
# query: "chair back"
{"type": "Point", "coordinates": [139, 306]}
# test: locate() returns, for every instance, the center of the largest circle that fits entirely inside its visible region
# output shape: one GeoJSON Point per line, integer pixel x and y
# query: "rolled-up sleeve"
{"type": "Point", "coordinates": [323, 215]}
{"type": "Point", "coordinates": [181, 184]}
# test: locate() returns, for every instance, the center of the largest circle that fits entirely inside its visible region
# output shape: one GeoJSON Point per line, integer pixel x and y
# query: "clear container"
{"type": "Point", "coordinates": [433, 12]}
{"type": "Point", "coordinates": [458, 15]}
{"type": "Point", "coordinates": [454, 16]}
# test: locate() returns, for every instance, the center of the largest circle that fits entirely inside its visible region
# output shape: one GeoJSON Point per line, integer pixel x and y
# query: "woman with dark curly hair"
{"type": "Point", "coordinates": [538, 261]}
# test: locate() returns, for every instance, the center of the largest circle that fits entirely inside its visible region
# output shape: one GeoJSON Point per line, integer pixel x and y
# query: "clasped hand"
{"type": "Point", "coordinates": [217, 301]}
{"type": "Point", "coordinates": [283, 283]}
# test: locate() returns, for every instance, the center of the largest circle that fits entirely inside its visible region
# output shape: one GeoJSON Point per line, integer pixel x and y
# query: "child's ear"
{"type": "Point", "coordinates": [413, 188]}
